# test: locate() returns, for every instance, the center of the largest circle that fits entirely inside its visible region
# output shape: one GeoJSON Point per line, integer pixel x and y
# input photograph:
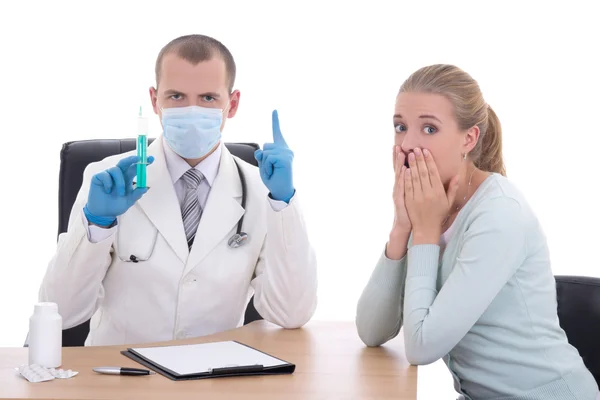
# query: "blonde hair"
{"type": "Point", "coordinates": [469, 107]}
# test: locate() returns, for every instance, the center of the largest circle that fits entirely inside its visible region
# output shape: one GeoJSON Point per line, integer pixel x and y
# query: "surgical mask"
{"type": "Point", "coordinates": [192, 131]}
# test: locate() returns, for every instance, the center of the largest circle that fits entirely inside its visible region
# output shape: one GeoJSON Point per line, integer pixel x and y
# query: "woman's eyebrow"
{"type": "Point", "coordinates": [430, 116]}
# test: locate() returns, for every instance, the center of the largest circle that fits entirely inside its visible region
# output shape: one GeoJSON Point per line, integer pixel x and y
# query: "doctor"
{"type": "Point", "coordinates": [157, 264]}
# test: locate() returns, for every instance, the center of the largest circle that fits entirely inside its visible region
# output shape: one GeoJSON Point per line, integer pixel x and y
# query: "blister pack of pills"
{"type": "Point", "coordinates": [36, 373]}
{"type": "Point", "coordinates": [62, 374]}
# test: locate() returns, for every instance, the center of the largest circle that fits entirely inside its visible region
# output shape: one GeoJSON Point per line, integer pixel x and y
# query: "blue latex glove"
{"type": "Point", "coordinates": [275, 165]}
{"type": "Point", "coordinates": [112, 193]}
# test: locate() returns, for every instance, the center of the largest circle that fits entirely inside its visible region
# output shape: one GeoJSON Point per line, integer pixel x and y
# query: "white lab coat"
{"type": "Point", "coordinates": [177, 293]}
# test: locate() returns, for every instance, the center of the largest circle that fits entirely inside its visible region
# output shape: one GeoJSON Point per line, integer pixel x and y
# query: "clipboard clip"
{"type": "Point", "coordinates": [236, 369]}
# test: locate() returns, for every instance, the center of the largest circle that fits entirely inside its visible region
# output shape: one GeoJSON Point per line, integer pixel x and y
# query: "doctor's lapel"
{"type": "Point", "coordinates": [160, 203]}
{"type": "Point", "coordinates": [221, 213]}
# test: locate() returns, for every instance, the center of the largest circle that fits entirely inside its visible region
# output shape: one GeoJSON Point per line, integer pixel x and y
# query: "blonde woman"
{"type": "Point", "coordinates": [466, 270]}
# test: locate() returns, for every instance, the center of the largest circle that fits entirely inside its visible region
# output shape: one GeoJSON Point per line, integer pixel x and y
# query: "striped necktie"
{"type": "Point", "coordinates": [191, 210]}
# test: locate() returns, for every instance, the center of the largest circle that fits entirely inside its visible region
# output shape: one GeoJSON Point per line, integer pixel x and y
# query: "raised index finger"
{"type": "Point", "coordinates": [277, 136]}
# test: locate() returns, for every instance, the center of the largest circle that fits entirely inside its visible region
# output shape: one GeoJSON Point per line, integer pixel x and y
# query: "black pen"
{"type": "Point", "coordinates": [122, 371]}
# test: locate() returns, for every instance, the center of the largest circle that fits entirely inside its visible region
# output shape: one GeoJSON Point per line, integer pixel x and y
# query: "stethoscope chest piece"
{"type": "Point", "coordinates": [238, 239]}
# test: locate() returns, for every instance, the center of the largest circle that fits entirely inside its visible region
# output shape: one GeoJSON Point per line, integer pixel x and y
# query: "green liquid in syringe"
{"type": "Point", "coordinates": [142, 147]}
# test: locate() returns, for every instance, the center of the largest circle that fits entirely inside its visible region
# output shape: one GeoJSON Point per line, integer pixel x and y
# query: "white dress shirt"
{"type": "Point", "coordinates": [177, 166]}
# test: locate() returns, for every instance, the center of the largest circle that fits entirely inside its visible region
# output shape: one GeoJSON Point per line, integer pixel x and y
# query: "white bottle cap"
{"type": "Point", "coordinates": [46, 308]}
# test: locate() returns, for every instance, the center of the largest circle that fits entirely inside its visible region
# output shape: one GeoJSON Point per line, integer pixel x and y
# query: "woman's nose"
{"type": "Point", "coordinates": [408, 143]}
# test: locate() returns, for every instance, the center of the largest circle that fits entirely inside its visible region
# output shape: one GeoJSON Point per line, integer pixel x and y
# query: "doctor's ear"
{"type": "Point", "coordinates": [153, 98]}
{"type": "Point", "coordinates": [234, 103]}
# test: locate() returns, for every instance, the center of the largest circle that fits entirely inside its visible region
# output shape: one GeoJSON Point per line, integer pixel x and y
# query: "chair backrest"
{"type": "Point", "coordinates": [74, 158]}
{"type": "Point", "coordinates": [579, 316]}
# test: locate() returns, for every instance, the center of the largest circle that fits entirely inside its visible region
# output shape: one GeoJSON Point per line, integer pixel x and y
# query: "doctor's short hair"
{"type": "Point", "coordinates": [196, 49]}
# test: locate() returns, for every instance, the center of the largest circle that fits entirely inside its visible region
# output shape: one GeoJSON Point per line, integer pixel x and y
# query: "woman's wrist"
{"type": "Point", "coordinates": [426, 236]}
{"type": "Point", "coordinates": [400, 230]}
{"type": "Point", "coordinates": [397, 243]}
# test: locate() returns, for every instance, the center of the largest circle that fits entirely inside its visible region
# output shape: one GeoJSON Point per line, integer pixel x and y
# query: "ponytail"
{"type": "Point", "coordinates": [490, 158]}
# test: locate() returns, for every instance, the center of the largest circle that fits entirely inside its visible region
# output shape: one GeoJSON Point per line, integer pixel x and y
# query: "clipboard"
{"type": "Point", "coordinates": [208, 360]}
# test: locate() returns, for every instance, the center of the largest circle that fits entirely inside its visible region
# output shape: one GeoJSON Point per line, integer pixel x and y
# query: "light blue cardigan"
{"type": "Point", "coordinates": [487, 306]}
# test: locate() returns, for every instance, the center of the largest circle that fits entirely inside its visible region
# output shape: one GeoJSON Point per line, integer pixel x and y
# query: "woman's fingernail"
{"type": "Point", "coordinates": [411, 156]}
{"type": "Point", "coordinates": [425, 152]}
{"type": "Point", "coordinates": [418, 151]}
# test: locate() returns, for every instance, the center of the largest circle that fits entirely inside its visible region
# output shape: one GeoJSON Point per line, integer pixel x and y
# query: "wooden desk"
{"type": "Point", "coordinates": [331, 363]}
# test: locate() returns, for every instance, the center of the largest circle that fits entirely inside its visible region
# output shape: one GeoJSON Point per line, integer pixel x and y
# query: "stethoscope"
{"type": "Point", "coordinates": [237, 240]}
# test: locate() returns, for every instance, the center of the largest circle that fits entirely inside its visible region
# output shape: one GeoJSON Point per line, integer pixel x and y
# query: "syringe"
{"type": "Point", "coordinates": [142, 147]}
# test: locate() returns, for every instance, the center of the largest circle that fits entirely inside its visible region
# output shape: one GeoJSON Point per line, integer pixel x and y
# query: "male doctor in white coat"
{"type": "Point", "coordinates": [155, 264]}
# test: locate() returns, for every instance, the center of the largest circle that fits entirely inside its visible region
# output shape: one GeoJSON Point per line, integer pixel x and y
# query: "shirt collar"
{"type": "Point", "coordinates": [177, 166]}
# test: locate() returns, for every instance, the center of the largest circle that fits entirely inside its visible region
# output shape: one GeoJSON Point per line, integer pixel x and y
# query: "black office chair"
{"type": "Point", "coordinates": [579, 316]}
{"type": "Point", "coordinates": [74, 157]}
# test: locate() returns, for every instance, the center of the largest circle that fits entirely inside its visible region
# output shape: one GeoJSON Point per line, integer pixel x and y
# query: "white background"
{"type": "Point", "coordinates": [80, 70]}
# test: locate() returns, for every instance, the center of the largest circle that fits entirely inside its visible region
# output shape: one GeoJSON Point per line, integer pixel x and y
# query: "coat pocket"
{"type": "Point", "coordinates": [136, 237]}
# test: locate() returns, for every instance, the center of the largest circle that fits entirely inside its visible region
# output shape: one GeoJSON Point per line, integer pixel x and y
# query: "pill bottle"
{"type": "Point", "coordinates": [45, 336]}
